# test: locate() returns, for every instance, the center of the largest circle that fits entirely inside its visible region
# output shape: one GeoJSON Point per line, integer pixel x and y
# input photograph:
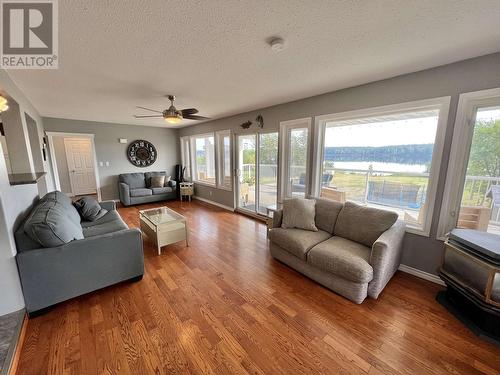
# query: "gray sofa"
{"type": "Point", "coordinates": [355, 251]}
{"type": "Point", "coordinates": [134, 188]}
{"type": "Point", "coordinates": [60, 257]}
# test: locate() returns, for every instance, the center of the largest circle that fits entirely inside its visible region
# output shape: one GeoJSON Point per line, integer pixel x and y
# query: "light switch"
{"type": "Point", "coordinates": [107, 164]}
{"type": "Point", "coordinates": [101, 164]}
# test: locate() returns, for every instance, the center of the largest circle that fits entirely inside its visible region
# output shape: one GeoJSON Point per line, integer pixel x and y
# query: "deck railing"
{"type": "Point", "coordinates": [360, 184]}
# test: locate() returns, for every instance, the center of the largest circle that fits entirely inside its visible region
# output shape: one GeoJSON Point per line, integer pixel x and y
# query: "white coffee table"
{"type": "Point", "coordinates": [163, 226]}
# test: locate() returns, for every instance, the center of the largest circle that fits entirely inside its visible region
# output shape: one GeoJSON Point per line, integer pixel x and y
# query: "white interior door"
{"type": "Point", "coordinates": [79, 155]}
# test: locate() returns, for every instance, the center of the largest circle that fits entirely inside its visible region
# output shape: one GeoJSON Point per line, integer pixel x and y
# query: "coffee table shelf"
{"type": "Point", "coordinates": [163, 226]}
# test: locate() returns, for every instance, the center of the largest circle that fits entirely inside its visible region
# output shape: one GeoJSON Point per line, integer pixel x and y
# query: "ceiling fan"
{"type": "Point", "coordinates": [173, 115]}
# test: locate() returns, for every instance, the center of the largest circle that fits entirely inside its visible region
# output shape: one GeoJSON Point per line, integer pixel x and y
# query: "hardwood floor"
{"type": "Point", "coordinates": [224, 306]}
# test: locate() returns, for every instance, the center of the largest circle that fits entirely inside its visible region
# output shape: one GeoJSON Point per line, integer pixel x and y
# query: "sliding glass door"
{"type": "Point", "coordinates": [247, 171]}
{"type": "Point", "coordinates": [257, 171]}
{"type": "Point", "coordinates": [295, 157]}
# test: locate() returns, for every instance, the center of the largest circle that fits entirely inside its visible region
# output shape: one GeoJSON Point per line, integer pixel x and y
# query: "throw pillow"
{"type": "Point", "coordinates": [89, 209]}
{"type": "Point", "coordinates": [167, 180]}
{"type": "Point", "coordinates": [299, 213]}
{"type": "Point", "coordinates": [157, 181]}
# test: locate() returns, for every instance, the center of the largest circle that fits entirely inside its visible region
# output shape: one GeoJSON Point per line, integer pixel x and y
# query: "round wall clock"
{"type": "Point", "coordinates": [141, 153]}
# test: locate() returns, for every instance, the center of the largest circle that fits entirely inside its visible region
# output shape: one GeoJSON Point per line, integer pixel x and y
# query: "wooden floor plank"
{"type": "Point", "coordinates": [224, 306]}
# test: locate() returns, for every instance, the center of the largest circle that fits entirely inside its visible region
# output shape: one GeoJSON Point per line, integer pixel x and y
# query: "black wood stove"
{"type": "Point", "coordinates": [471, 271]}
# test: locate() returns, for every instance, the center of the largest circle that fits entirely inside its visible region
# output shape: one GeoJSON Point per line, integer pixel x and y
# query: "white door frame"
{"type": "Point", "coordinates": [51, 135]}
{"type": "Point", "coordinates": [284, 149]}
{"type": "Point", "coordinates": [468, 104]}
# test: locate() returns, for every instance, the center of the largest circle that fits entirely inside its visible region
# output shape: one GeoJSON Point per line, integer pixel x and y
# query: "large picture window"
{"type": "Point", "coordinates": [385, 157]}
{"type": "Point", "coordinates": [472, 192]}
{"type": "Point", "coordinates": [203, 147]}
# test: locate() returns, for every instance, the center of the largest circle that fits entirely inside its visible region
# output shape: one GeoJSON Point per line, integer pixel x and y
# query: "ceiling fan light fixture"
{"type": "Point", "coordinates": [173, 119]}
{"type": "Point", "coordinates": [3, 104]}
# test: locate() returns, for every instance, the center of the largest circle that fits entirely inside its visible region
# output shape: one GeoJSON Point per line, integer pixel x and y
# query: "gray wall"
{"type": "Point", "coordinates": [109, 149]}
{"type": "Point", "coordinates": [15, 201]}
{"type": "Point", "coordinates": [450, 80]}
{"type": "Point", "coordinates": [62, 164]}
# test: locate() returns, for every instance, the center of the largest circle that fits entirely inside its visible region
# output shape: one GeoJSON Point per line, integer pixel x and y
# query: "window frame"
{"type": "Point", "coordinates": [441, 103]}
{"type": "Point", "coordinates": [283, 154]}
{"type": "Point", "coordinates": [186, 162]}
{"type": "Point", "coordinates": [219, 152]}
{"type": "Point", "coordinates": [468, 104]}
{"type": "Point", "coordinates": [193, 159]}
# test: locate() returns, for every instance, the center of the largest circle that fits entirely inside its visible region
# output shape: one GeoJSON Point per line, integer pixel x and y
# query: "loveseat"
{"type": "Point", "coordinates": [354, 252]}
{"type": "Point", "coordinates": [59, 256]}
{"type": "Point", "coordinates": [135, 188]}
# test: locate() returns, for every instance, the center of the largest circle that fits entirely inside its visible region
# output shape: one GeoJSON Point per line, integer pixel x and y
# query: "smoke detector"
{"type": "Point", "coordinates": [277, 44]}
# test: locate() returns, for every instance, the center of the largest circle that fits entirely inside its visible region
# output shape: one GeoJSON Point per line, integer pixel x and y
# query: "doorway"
{"type": "Point", "coordinates": [257, 172]}
{"type": "Point", "coordinates": [74, 164]}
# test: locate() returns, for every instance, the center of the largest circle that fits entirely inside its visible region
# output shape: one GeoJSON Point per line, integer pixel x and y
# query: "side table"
{"type": "Point", "coordinates": [186, 189]}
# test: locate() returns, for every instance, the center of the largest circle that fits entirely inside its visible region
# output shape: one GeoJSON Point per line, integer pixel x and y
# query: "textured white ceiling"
{"type": "Point", "coordinates": [212, 54]}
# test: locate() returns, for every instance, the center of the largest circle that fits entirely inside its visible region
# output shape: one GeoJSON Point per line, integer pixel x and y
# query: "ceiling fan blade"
{"type": "Point", "coordinates": [149, 109]}
{"type": "Point", "coordinates": [188, 111]}
{"type": "Point", "coordinates": [153, 116]}
{"type": "Point", "coordinates": [195, 117]}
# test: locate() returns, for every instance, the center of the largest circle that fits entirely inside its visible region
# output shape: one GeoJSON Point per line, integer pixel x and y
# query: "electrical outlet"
{"type": "Point", "coordinates": [210, 192]}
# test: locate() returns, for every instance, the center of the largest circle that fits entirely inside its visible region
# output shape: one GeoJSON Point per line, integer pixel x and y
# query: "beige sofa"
{"type": "Point", "coordinates": [355, 251]}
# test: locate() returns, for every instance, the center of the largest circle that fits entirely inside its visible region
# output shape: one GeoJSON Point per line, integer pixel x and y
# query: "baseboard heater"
{"type": "Point", "coordinates": [471, 272]}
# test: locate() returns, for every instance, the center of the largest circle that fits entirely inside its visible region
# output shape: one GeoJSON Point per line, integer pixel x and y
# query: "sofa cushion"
{"type": "Point", "coordinates": [104, 228]}
{"type": "Point", "coordinates": [344, 258]}
{"type": "Point", "coordinates": [110, 216]}
{"type": "Point", "coordinates": [299, 213]}
{"type": "Point", "coordinates": [57, 196]}
{"type": "Point", "coordinates": [326, 214]}
{"type": "Point", "coordinates": [50, 224]}
{"type": "Point", "coordinates": [363, 224]}
{"type": "Point", "coordinates": [133, 180]}
{"type": "Point", "coordinates": [140, 192]}
{"type": "Point", "coordinates": [148, 175]}
{"type": "Point", "coordinates": [297, 241]}
{"type": "Point", "coordinates": [62, 198]}
{"type": "Point", "coordinates": [161, 190]}
{"type": "Point", "coordinates": [89, 209]}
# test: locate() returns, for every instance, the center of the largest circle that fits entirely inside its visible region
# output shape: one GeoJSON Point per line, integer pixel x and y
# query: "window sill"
{"type": "Point", "coordinates": [202, 183]}
{"type": "Point", "coordinates": [417, 231]}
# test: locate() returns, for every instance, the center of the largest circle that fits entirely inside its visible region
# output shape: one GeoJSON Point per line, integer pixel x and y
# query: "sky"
{"type": "Point", "coordinates": [378, 134]}
{"type": "Point", "coordinates": [488, 114]}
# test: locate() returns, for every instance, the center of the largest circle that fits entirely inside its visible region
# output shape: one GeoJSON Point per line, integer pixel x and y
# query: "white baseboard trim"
{"type": "Point", "coordinates": [213, 203]}
{"type": "Point", "coordinates": [422, 274]}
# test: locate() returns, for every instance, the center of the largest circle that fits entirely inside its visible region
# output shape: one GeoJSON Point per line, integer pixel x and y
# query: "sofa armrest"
{"type": "Point", "coordinates": [277, 217]}
{"type": "Point", "coordinates": [52, 275]}
{"type": "Point", "coordinates": [385, 257]}
{"type": "Point", "coordinates": [108, 205]}
{"type": "Point", "coordinates": [124, 191]}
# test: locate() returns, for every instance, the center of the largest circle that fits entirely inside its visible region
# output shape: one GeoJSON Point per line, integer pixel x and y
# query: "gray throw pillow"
{"type": "Point", "coordinates": [299, 213]}
{"type": "Point", "coordinates": [157, 181]}
{"type": "Point", "coordinates": [89, 209]}
{"type": "Point", "coordinates": [167, 181]}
